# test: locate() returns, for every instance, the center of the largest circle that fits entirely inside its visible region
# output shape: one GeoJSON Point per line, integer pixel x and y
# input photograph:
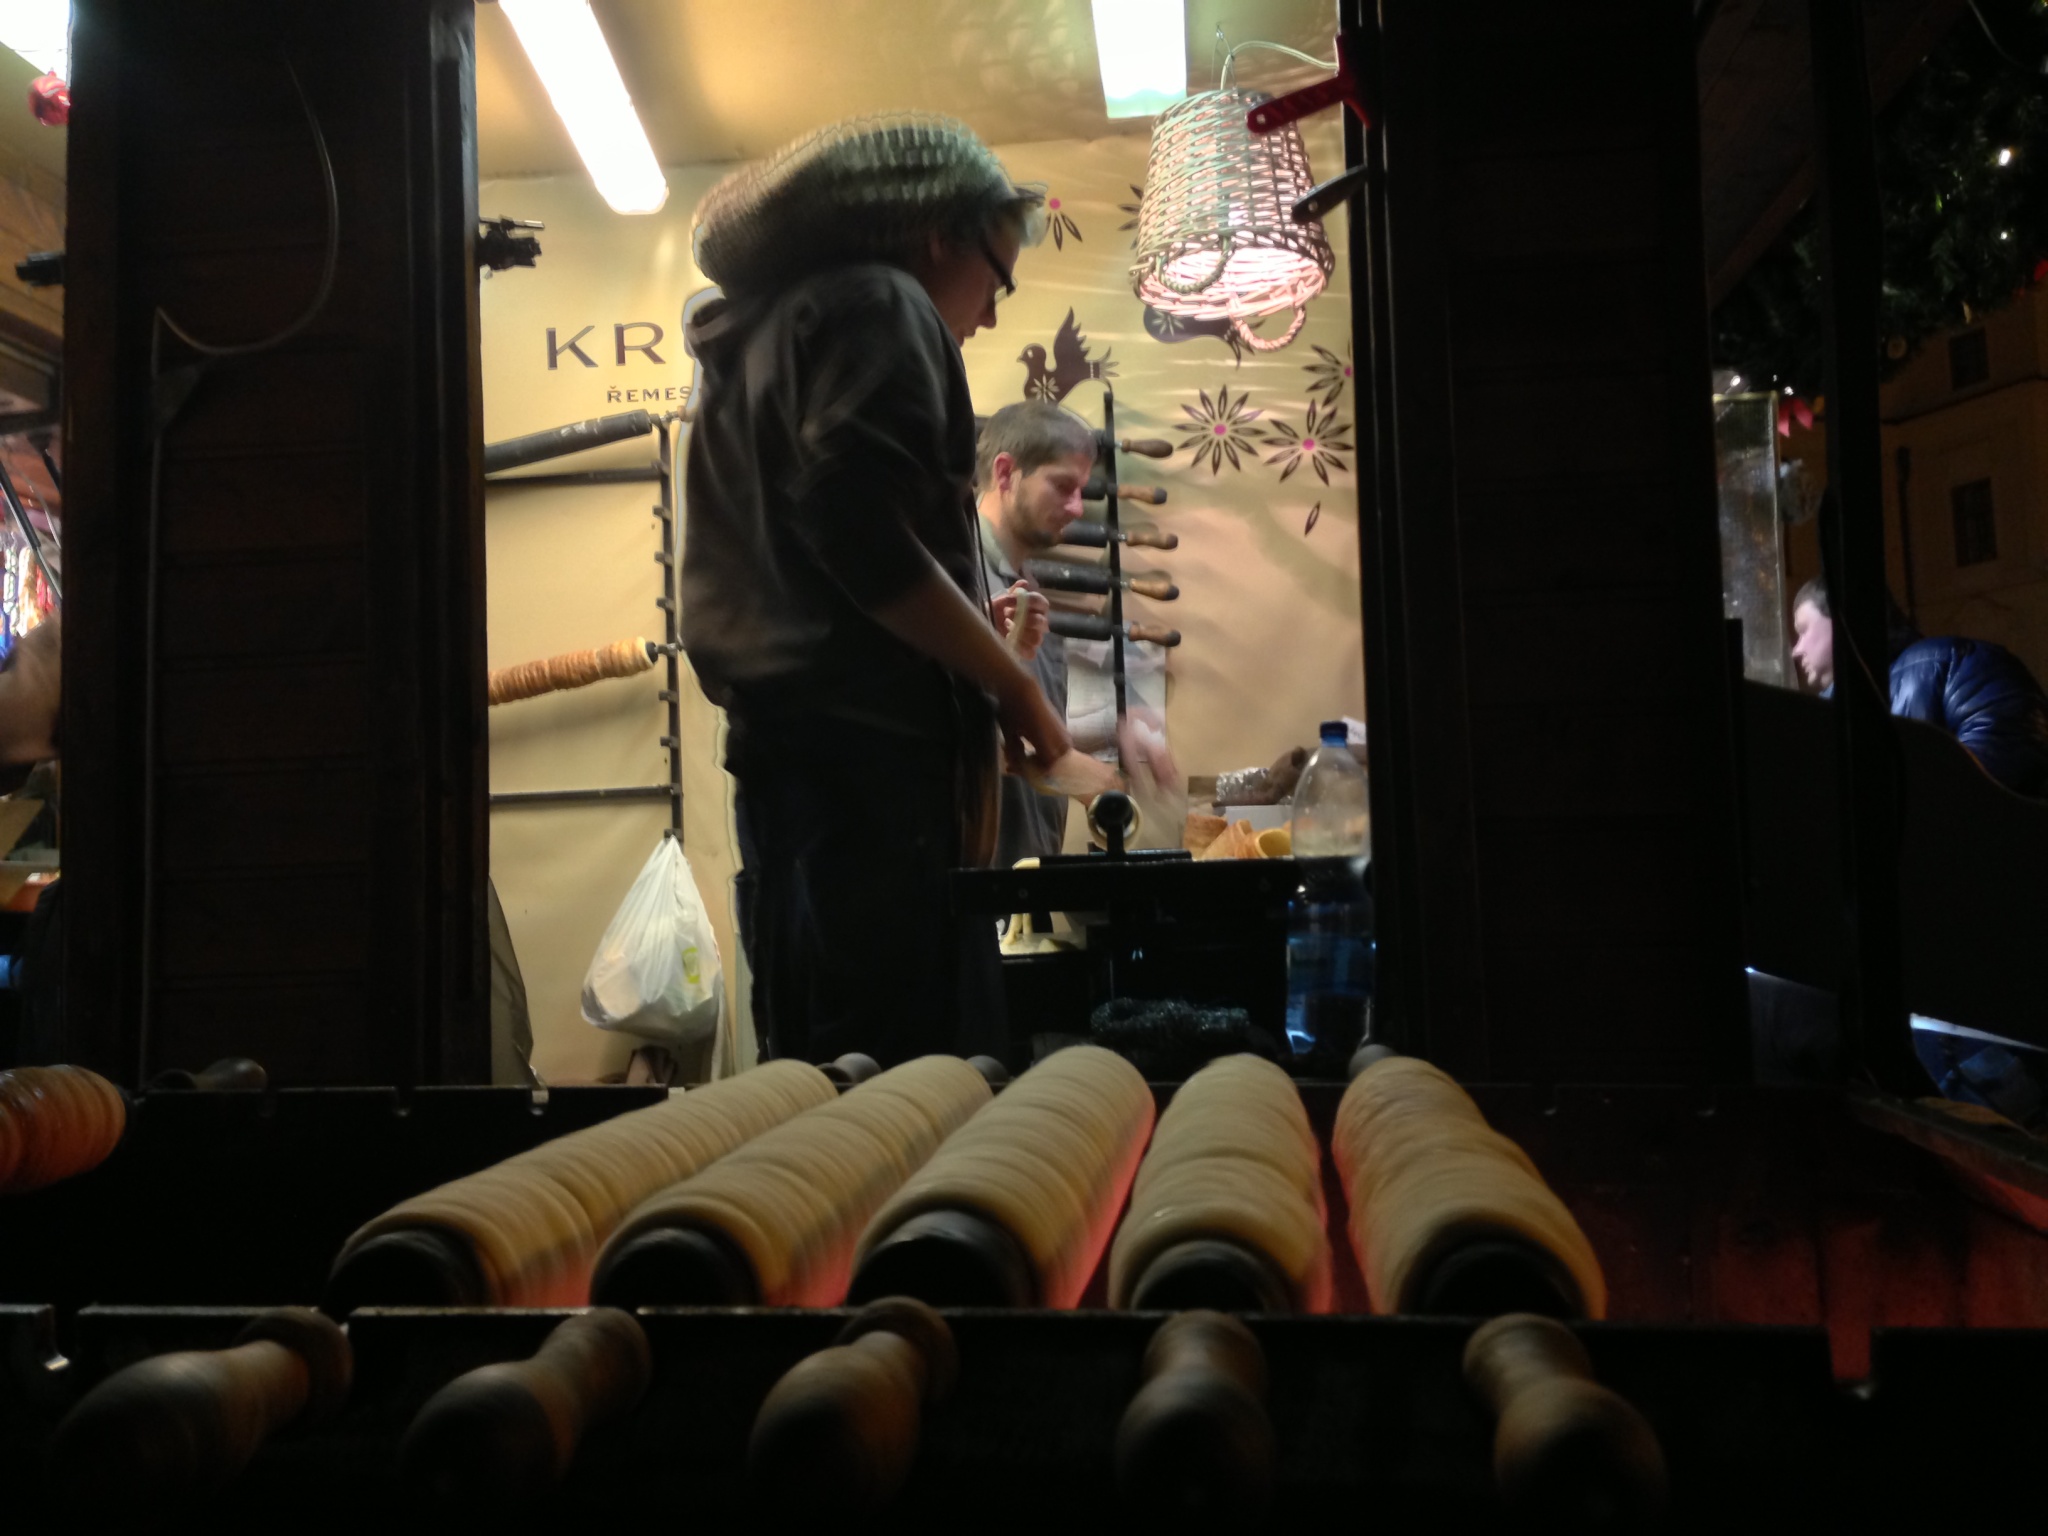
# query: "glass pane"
{"type": "Point", "coordinates": [1752, 554]}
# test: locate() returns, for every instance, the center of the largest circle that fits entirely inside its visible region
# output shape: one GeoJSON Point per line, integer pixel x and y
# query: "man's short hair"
{"type": "Point", "coordinates": [1034, 433]}
{"type": "Point", "coordinates": [1899, 631]}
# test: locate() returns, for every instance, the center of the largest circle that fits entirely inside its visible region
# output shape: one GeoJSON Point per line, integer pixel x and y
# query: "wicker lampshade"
{"type": "Point", "coordinates": [1216, 234]}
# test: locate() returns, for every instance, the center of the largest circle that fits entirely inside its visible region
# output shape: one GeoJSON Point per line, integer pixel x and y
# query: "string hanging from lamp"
{"type": "Point", "coordinates": [1216, 234]}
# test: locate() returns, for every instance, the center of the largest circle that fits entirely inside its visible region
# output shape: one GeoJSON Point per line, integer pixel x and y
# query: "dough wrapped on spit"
{"type": "Point", "coordinates": [1017, 1207]}
{"type": "Point", "coordinates": [1447, 1214]}
{"type": "Point", "coordinates": [775, 1222]}
{"type": "Point", "coordinates": [1227, 1210]}
{"type": "Point", "coordinates": [524, 1232]}
{"type": "Point", "coordinates": [55, 1123]}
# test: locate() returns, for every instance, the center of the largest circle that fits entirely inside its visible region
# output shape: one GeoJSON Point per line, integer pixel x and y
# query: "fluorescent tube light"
{"type": "Point", "coordinates": [1143, 49]}
{"type": "Point", "coordinates": [568, 51]}
{"type": "Point", "coordinates": [40, 31]}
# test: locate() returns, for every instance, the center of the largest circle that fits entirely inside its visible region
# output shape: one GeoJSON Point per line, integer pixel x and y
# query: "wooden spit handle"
{"type": "Point", "coordinates": [1196, 1439]}
{"type": "Point", "coordinates": [231, 1074]}
{"type": "Point", "coordinates": [168, 1428]}
{"type": "Point", "coordinates": [1214, 1273]}
{"type": "Point", "coordinates": [948, 1258]}
{"type": "Point", "coordinates": [1150, 495]}
{"type": "Point", "coordinates": [1566, 1451]}
{"type": "Point", "coordinates": [504, 1435]}
{"type": "Point", "coordinates": [992, 1071]}
{"type": "Point", "coordinates": [839, 1431]}
{"type": "Point", "coordinates": [852, 1069]}
{"type": "Point", "coordinates": [676, 1267]}
{"type": "Point", "coordinates": [1090, 535]}
{"type": "Point", "coordinates": [411, 1267]}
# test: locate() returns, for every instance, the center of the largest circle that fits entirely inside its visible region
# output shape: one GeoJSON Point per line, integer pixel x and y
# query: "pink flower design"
{"type": "Point", "coordinates": [1222, 429]}
{"type": "Point", "coordinates": [1061, 224]}
{"type": "Point", "coordinates": [1319, 444]}
{"type": "Point", "coordinates": [1328, 377]}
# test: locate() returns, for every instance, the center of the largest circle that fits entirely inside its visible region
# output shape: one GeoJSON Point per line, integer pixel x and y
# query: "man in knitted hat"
{"type": "Point", "coordinates": [833, 600]}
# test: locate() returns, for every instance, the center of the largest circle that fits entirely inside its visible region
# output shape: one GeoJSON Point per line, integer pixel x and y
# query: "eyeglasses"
{"type": "Point", "coordinates": [1009, 283]}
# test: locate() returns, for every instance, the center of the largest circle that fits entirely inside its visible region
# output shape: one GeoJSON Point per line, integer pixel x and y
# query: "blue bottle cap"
{"type": "Point", "coordinates": [1334, 732]}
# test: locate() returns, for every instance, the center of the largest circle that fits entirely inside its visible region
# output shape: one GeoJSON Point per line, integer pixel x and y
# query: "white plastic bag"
{"type": "Point", "coordinates": [656, 971]}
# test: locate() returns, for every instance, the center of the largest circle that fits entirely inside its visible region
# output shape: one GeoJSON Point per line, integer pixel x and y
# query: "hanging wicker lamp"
{"type": "Point", "coordinates": [1216, 234]}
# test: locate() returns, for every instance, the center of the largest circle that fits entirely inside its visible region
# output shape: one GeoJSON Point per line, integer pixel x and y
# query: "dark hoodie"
{"type": "Point", "coordinates": [833, 451]}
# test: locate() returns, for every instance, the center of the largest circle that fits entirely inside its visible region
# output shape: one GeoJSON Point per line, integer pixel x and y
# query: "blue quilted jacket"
{"type": "Point", "coordinates": [1985, 697]}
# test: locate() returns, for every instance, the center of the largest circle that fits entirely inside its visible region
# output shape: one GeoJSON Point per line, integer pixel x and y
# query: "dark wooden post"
{"type": "Point", "coordinates": [274, 716]}
{"type": "Point", "coordinates": [1547, 673]}
{"type": "Point", "coordinates": [1852, 549]}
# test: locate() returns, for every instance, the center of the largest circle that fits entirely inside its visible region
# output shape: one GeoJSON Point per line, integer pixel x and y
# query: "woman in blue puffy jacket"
{"type": "Point", "coordinates": [1977, 692]}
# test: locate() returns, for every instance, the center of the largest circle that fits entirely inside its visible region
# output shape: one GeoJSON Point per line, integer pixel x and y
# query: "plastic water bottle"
{"type": "Point", "coordinates": [1329, 919]}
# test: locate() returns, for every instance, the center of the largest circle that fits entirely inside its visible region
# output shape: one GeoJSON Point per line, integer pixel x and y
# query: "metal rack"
{"type": "Point", "coordinates": [1111, 515]}
{"type": "Point", "coordinates": [574, 439]}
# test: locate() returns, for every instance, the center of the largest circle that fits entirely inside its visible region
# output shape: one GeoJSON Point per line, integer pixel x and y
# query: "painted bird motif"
{"type": "Point", "coordinates": [1161, 326]}
{"type": "Point", "coordinates": [1071, 364]}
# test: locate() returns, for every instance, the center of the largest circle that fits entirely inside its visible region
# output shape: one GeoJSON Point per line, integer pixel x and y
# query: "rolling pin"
{"type": "Point", "coordinates": [1061, 576]}
{"type": "Point", "coordinates": [1080, 626]}
{"type": "Point", "coordinates": [1150, 495]}
{"type": "Point", "coordinates": [1567, 1452]}
{"type": "Point", "coordinates": [501, 1436]}
{"type": "Point", "coordinates": [1144, 447]}
{"type": "Point", "coordinates": [182, 1424]}
{"type": "Point", "coordinates": [1089, 535]}
{"type": "Point", "coordinates": [1195, 1441]}
{"type": "Point", "coordinates": [839, 1431]}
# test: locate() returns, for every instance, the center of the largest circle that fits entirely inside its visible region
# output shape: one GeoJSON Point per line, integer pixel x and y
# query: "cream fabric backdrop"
{"type": "Point", "coordinates": [1267, 567]}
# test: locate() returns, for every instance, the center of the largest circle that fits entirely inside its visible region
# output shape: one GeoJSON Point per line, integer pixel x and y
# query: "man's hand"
{"type": "Point", "coordinates": [1022, 617]}
{"type": "Point", "coordinates": [1141, 745]}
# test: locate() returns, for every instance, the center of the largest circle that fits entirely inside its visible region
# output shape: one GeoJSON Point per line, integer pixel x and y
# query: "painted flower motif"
{"type": "Point", "coordinates": [1061, 223]}
{"type": "Point", "coordinates": [1132, 208]}
{"type": "Point", "coordinates": [1319, 444]}
{"type": "Point", "coordinates": [1222, 429]}
{"type": "Point", "coordinates": [1328, 377]}
{"type": "Point", "coordinates": [1315, 514]}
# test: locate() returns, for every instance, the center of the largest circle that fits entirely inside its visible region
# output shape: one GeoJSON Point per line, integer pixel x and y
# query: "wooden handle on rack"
{"type": "Point", "coordinates": [1566, 1451]}
{"type": "Point", "coordinates": [1150, 495]}
{"type": "Point", "coordinates": [1196, 1439]}
{"type": "Point", "coordinates": [1144, 447]}
{"type": "Point", "coordinates": [503, 1435]}
{"type": "Point", "coordinates": [839, 1431]}
{"type": "Point", "coordinates": [1153, 634]}
{"type": "Point", "coordinates": [1092, 535]}
{"type": "Point", "coordinates": [1076, 626]}
{"type": "Point", "coordinates": [1069, 576]}
{"type": "Point", "coordinates": [181, 1424]}
{"type": "Point", "coordinates": [1151, 538]}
